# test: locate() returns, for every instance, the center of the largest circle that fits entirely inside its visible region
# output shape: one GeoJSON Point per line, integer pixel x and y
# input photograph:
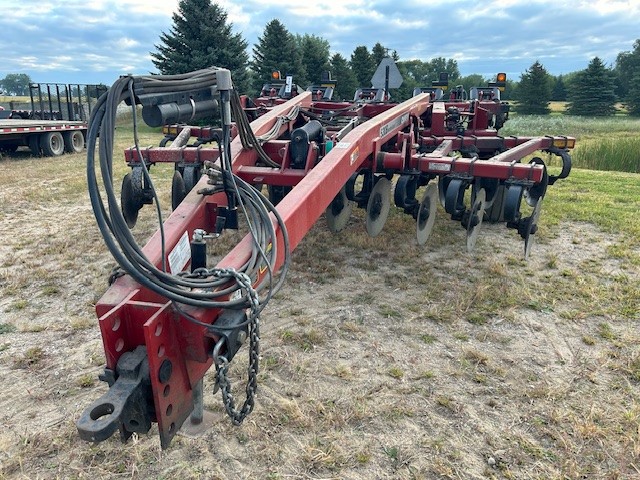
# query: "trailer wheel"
{"type": "Point", "coordinates": [34, 144]}
{"type": "Point", "coordinates": [73, 141]}
{"type": "Point", "coordinates": [52, 144]}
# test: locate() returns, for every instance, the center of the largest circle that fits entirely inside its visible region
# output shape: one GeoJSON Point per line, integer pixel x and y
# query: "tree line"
{"type": "Point", "coordinates": [201, 36]}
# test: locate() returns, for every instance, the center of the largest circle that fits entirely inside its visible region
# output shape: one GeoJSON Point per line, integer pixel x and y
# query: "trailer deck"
{"type": "Point", "coordinates": [43, 137]}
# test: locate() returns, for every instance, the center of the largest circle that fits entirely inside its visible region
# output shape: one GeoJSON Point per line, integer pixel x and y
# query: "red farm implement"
{"type": "Point", "coordinates": [170, 316]}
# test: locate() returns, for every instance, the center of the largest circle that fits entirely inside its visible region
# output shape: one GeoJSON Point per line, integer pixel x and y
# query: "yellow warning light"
{"type": "Point", "coordinates": [275, 75]}
{"type": "Point", "coordinates": [502, 77]}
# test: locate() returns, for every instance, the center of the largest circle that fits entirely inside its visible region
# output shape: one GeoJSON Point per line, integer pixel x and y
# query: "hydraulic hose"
{"type": "Point", "coordinates": [206, 288]}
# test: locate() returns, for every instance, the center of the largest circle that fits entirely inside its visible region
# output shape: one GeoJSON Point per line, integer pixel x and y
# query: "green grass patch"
{"type": "Point", "coordinates": [6, 328]}
{"type": "Point", "coordinates": [602, 143]}
{"type": "Point", "coordinates": [609, 200]}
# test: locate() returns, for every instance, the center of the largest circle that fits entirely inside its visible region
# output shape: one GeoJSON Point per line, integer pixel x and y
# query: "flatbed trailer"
{"type": "Point", "coordinates": [53, 122]}
{"type": "Point", "coordinates": [43, 137]}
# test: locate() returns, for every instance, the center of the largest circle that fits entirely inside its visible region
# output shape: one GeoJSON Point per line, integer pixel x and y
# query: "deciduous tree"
{"type": "Point", "coordinates": [16, 84]}
{"type": "Point", "coordinates": [628, 78]}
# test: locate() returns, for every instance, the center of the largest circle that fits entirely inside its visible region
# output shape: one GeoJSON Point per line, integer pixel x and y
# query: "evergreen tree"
{"type": "Point", "coordinates": [534, 91]}
{"type": "Point", "coordinates": [592, 91]}
{"type": "Point", "coordinates": [346, 83]}
{"type": "Point", "coordinates": [378, 53]}
{"type": "Point", "coordinates": [559, 92]}
{"type": "Point", "coordinates": [200, 38]}
{"type": "Point", "coordinates": [315, 56]}
{"type": "Point", "coordinates": [276, 50]}
{"type": "Point", "coordinates": [363, 66]}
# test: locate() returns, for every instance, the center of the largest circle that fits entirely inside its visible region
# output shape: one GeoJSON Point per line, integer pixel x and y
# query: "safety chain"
{"type": "Point", "coordinates": [222, 363]}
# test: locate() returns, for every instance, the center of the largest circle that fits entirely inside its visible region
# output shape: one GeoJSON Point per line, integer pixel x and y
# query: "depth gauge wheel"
{"type": "Point", "coordinates": [178, 190]}
{"type": "Point", "coordinates": [130, 201]}
{"type": "Point", "coordinates": [191, 176]}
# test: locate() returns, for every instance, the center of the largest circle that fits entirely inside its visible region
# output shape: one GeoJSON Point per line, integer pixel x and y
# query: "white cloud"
{"type": "Point", "coordinates": [100, 39]}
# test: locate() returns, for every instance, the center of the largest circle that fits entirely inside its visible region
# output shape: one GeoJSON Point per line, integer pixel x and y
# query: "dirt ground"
{"type": "Point", "coordinates": [380, 359]}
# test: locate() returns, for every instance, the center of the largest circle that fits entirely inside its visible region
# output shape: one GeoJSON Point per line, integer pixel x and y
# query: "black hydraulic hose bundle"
{"type": "Point", "coordinates": [207, 288]}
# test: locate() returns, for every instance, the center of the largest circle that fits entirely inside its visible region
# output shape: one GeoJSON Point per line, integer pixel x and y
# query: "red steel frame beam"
{"type": "Point", "coordinates": [130, 315]}
{"type": "Point", "coordinates": [503, 166]}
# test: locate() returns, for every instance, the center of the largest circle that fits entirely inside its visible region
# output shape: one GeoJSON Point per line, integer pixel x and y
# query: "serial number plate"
{"type": "Point", "coordinates": [440, 167]}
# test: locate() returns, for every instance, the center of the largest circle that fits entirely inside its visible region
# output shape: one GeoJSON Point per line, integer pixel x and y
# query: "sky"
{"type": "Point", "coordinates": [96, 41]}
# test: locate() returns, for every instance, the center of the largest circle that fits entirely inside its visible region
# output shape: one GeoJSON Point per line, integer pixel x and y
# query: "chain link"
{"type": "Point", "coordinates": [222, 364]}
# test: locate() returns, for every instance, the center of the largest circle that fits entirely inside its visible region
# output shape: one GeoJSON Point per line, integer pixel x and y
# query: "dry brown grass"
{"type": "Point", "coordinates": [379, 359]}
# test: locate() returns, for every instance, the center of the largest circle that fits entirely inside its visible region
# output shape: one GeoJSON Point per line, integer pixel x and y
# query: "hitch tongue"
{"type": "Point", "coordinates": [125, 406]}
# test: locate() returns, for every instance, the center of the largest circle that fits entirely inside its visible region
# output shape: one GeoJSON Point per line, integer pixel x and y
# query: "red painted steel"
{"type": "Point", "coordinates": [131, 315]}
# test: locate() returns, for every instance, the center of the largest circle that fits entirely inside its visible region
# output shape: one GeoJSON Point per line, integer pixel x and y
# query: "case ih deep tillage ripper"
{"type": "Point", "coordinates": [170, 316]}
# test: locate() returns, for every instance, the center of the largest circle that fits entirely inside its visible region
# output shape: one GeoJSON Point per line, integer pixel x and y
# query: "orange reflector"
{"type": "Point", "coordinates": [564, 142]}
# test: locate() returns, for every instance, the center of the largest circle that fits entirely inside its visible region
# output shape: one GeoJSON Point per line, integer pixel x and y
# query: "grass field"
{"type": "Point", "coordinates": [610, 144]}
{"type": "Point", "coordinates": [379, 359]}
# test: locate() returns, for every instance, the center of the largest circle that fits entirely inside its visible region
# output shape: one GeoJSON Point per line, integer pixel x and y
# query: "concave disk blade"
{"type": "Point", "coordinates": [339, 211]}
{"type": "Point", "coordinates": [532, 227]}
{"type": "Point", "coordinates": [378, 206]}
{"type": "Point", "coordinates": [427, 214]}
{"type": "Point", "coordinates": [475, 219]}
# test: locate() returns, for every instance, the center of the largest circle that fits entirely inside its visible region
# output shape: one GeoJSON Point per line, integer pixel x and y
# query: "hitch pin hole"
{"type": "Point", "coordinates": [102, 411]}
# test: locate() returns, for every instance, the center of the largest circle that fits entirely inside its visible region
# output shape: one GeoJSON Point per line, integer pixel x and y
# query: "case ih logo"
{"type": "Point", "coordinates": [393, 124]}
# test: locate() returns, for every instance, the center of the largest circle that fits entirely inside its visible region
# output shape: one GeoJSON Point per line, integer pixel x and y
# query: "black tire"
{"type": "Point", "coordinates": [52, 144]}
{"type": "Point", "coordinates": [34, 144]}
{"type": "Point", "coordinates": [73, 141]}
{"type": "Point", "coordinates": [191, 176]}
{"type": "Point", "coordinates": [9, 147]}
{"type": "Point", "coordinates": [129, 204]}
{"type": "Point", "coordinates": [178, 190]}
